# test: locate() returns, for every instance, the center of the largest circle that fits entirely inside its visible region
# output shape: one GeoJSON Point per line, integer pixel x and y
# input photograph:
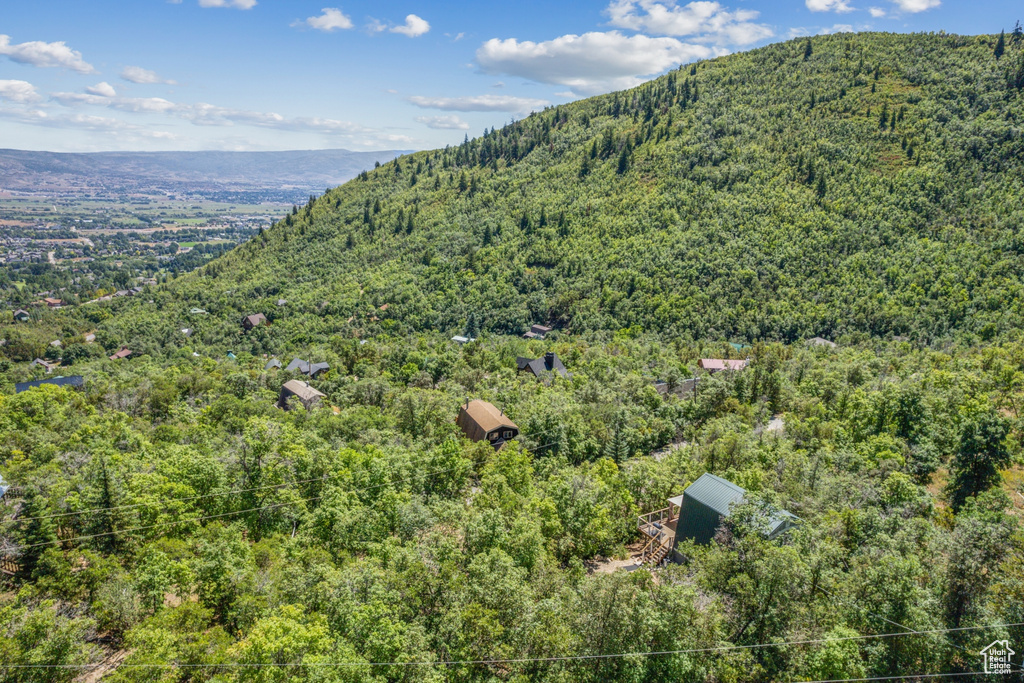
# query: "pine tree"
{"type": "Point", "coordinates": [1000, 44]}
{"type": "Point", "coordinates": [808, 50]}
{"type": "Point", "coordinates": [821, 186]}
{"type": "Point", "coordinates": [37, 530]}
{"type": "Point", "coordinates": [623, 161]}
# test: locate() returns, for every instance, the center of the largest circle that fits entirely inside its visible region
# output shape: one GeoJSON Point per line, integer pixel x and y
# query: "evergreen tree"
{"type": "Point", "coordinates": [37, 533]}
{"type": "Point", "coordinates": [1000, 44]}
{"type": "Point", "coordinates": [808, 50]}
{"type": "Point", "coordinates": [623, 165]}
{"type": "Point", "coordinates": [982, 452]}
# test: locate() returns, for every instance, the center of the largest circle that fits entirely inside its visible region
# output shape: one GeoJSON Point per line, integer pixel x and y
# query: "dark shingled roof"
{"type": "Point", "coordinates": [306, 368]}
{"type": "Point", "coordinates": [75, 381]}
{"type": "Point", "coordinates": [549, 362]}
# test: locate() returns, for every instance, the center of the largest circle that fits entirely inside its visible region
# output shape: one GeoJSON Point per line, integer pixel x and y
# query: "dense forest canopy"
{"type": "Point", "coordinates": [869, 186]}
{"type": "Point", "coordinates": [170, 523]}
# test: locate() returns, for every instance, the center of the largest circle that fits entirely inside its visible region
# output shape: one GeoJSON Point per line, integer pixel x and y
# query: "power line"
{"type": "Point", "coordinates": [911, 631]}
{"type": "Point", "coordinates": [217, 516]}
{"type": "Point", "coordinates": [527, 660]}
{"type": "Point", "coordinates": [180, 500]}
{"type": "Point", "coordinates": [215, 494]}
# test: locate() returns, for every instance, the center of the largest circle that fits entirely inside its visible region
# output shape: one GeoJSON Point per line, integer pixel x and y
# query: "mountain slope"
{"type": "Point", "coordinates": [306, 170]}
{"type": "Point", "coordinates": [868, 186]}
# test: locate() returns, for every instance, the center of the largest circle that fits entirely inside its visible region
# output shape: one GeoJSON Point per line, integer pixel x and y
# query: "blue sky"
{"type": "Point", "coordinates": [295, 74]}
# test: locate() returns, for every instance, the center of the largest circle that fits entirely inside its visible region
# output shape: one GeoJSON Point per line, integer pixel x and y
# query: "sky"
{"type": "Point", "coordinates": [259, 75]}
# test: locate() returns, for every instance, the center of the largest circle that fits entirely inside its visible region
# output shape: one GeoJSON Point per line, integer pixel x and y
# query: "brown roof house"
{"type": "Point", "coordinates": [714, 365]}
{"type": "Point", "coordinates": [251, 321]}
{"type": "Point", "coordinates": [481, 421]}
{"type": "Point", "coordinates": [537, 332]}
{"type": "Point", "coordinates": [549, 362]}
{"type": "Point", "coordinates": [47, 365]}
{"type": "Point", "coordinates": [53, 303]}
{"type": "Point", "coordinates": [307, 395]}
{"type": "Point", "coordinates": [123, 353]}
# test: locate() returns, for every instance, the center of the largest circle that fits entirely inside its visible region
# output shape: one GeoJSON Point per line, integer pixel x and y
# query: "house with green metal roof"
{"type": "Point", "coordinates": [696, 515]}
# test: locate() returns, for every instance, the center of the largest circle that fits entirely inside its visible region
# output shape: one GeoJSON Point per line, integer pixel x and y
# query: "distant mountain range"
{"type": "Point", "coordinates": [291, 174]}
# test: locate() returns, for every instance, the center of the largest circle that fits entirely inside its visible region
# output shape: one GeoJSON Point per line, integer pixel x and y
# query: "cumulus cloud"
{"type": "Point", "coordinates": [508, 103]}
{"type": "Point", "coordinates": [803, 31]}
{"type": "Point", "coordinates": [877, 12]}
{"type": "Point", "coordinates": [138, 105]}
{"type": "Point", "coordinates": [18, 91]}
{"type": "Point", "coordinates": [236, 4]}
{"type": "Point", "coordinates": [330, 19]}
{"type": "Point", "coordinates": [38, 53]}
{"type": "Point", "coordinates": [136, 74]}
{"type": "Point", "coordinates": [591, 63]}
{"type": "Point", "coordinates": [915, 6]}
{"type": "Point", "coordinates": [829, 6]}
{"type": "Point", "coordinates": [413, 26]}
{"type": "Point", "coordinates": [705, 21]}
{"type": "Point", "coordinates": [103, 89]}
{"type": "Point", "coordinates": [451, 122]}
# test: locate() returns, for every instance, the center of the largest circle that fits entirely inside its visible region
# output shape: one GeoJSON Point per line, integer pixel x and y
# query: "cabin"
{"type": "Point", "coordinates": [460, 340]}
{"type": "Point", "coordinates": [47, 365]}
{"type": "Point", "coordinates": [197, 311]}
{"type": "Point", "coordinates": [714, 365]}
{"type": "Point", "coordinates": [821, 342]}
{"type": "Point", "coordinates": [53, 303]}
{"type": "Point", "coordinates": [537, 332]}
{"type": "Point", "coordinates": [696, 516]}
{"type": "Point", "coordinates": [123, 353]}
{"type": "Point", "coordinates": [481, 421]}
{"type": "Point", "coordinates": [282, 302]}
{"type": "Point", "coordinates": [75, 382]}
{"type": "Point", "coordinates": [307, 368]}
{"type": "Point", "coordinates": [187, 331]}
{"type": "Point", "coordinates": [21, 316]}
{"type": "Point", "coordinates": [307, 395]}
{"type": "Point", "coordinates": [251, 321]}
{"type": "Point", "coordinates": [272, 364]}
{"type": "Point", "coordinates": [684, 389]}
{"type": "Point", "coordinates": [549, 362]}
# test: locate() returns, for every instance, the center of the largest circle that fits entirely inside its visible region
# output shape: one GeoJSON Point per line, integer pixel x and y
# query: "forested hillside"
{"type": "Point", "coordinates": [168, 522]}
{"type": "Point", "coordinates": [861, 185]}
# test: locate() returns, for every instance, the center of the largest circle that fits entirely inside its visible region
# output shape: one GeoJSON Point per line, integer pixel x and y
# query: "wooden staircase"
{"type": "Point", "coordinates": [660, 536]}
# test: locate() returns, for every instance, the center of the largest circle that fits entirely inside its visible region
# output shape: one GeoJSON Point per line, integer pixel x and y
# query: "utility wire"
{"type": "Point", "coordinates": [217, 516]}
{"type": "Point", "coordinates": [181, 500]}
{"type": "Point", "coordinates": [526, 660]}
{"type": "Point", "coordinates": [215, 494]}
{"type": "Point", "coordinates": [910, 630]}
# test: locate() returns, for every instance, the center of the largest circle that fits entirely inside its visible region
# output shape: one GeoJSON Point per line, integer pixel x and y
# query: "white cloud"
{"type": "Point", "coordinates": [829, 6]}
{"type": "Point", "coordinates": [707, 21]}
{"type": "Point", "coordinates": [138, 105]}
{"type": "Point", "coordinates": [591, 63]}
{"type": "Point", "coordinates": [451, 122]}
{"type": "Point", "coordinates": [915, 6]}
{"type": "Point", "coordinates": [38, 53]}
{"type": "Point", "coordinates": [136, 74]}
{"type": "Point", "coordinates": [508, 103]}
{"type": "Point", "coordinates": [18, 91]}
{"type": "Point", "coordinates": [414, 26]}
{"type": "Point", "coordinates": [103, 89]}
{"type": "Point", "coordinates": [804, 31]}
{"type": "Point", "coordinates": [877, 12]}
{"type": "Point", "coordinates": [237, 4]}
{"type": "Point", "coordinates": [330, 19]}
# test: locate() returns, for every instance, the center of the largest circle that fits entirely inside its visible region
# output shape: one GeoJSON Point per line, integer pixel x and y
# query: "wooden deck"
{"type": "Point", "coordinates": [659, 527]}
